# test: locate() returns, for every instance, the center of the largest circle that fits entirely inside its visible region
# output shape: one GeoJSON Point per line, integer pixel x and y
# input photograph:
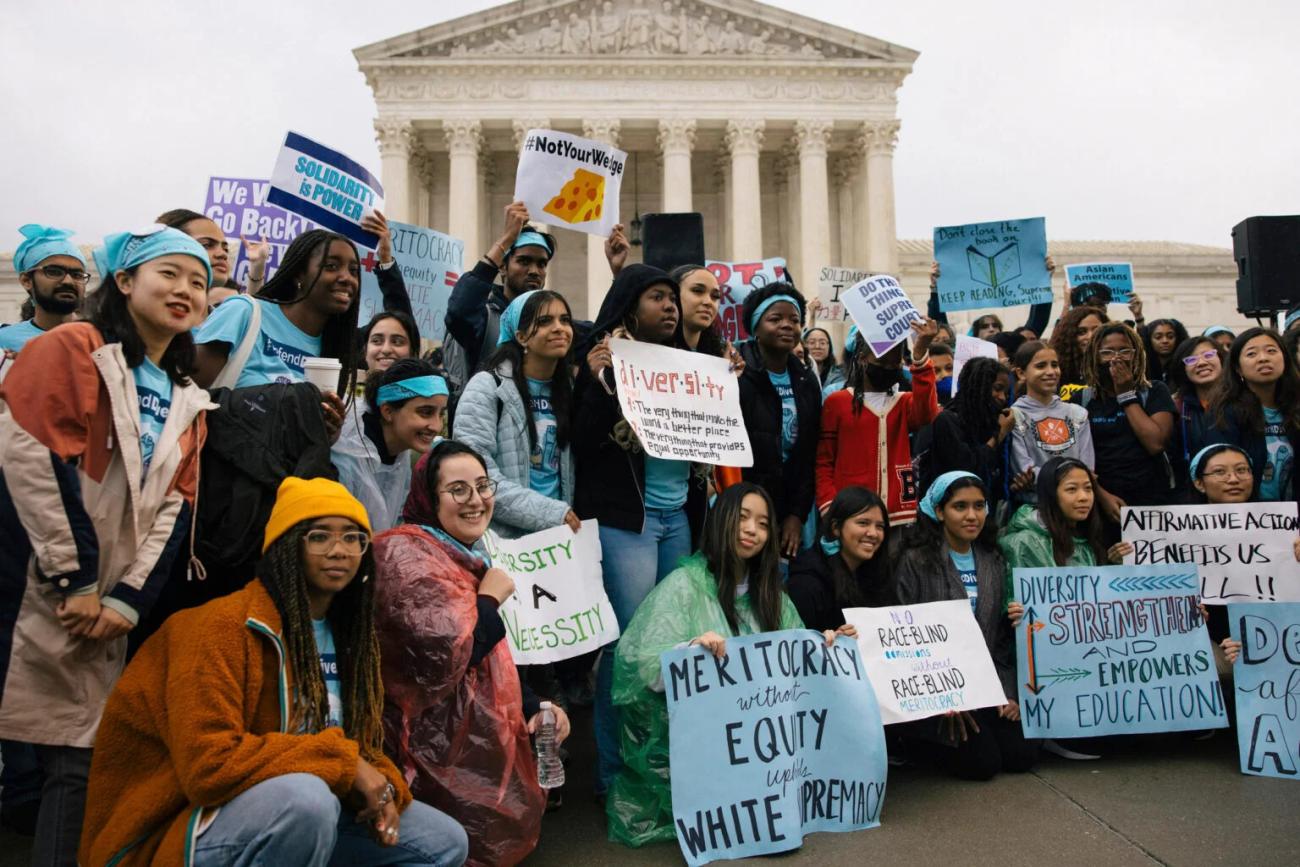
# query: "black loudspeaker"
{"type": "Point", "coordinates": [672, 239]}
{"type": "Point", "coordinates": [1267, 250]}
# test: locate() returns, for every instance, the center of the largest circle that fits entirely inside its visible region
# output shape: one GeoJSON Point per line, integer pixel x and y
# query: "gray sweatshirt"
{"type": "Point", "coordinates": [1045, 431]}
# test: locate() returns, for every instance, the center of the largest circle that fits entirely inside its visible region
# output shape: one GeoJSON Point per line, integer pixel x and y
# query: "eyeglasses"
{"type": "Point", "coordinates": [460, 491]}
{"type": "Point", "coordinates": [1112, 354]}
{"type": "Point", "coordinates": [355, 542]}
{"type": "Point", "coordinates": [1241, 471]}
{"type": "Point", "coordinates": [1207, 355]}
{"type": "Point", "coordinates": [58, 272]}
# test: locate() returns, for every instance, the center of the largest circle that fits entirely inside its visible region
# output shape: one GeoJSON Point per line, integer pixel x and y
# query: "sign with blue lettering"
{"type": "Point", "coordinates": [325, 186]}
{"type": "Point", "coordinates": [1118, 276]}
{"type": "Point", "coordinates": [1267, 682]}
{"type": "Point", "coordinates": [1114, 650]}
{"type": "Point", "coordinates": [430, 263]}
{"type": "Point", "coordinates": [882, 311]}
{"type": "Point", "coordinates": [778, 738]}
{"type": "Point", "coordinates": [997, 264]}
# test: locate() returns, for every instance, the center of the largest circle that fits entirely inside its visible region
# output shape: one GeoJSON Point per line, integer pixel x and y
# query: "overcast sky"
{"type": "Point", "coordinates": [1114, 119]}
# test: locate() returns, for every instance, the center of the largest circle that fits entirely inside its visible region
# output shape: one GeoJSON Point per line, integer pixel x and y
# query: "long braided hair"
{"type": "Point", "coordinates": [974, 404]}
{"type": "Point", "coordinates": [1097, 374]}
{"type": "Point", "coordinates": [351, 617]}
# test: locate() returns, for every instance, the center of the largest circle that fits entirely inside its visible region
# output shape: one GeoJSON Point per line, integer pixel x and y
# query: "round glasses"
{"type": "Point", "coordinates": [1241, 471]}
{"type": "Point", "coordinates": [354, 542]}
{"type": "Point", "coordinates": [461, 491]}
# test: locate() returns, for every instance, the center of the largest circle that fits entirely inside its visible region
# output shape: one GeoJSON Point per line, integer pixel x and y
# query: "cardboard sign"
{"type": "Point", "coordinates": [832, 281]}
{"type": "Point", "coordinates": [569, 181]}
{"type": "Point", "coordinates": [559, 608]}
{"type": "Point", "coordinates": [1266, 677]}
{"type": "Point", "coordinates": [927, 659]}
{"type": "Point", "coordinates": [325, 186]}
{"type": "Point", "coordinates": [1117, 275]}
{"type": "Point", "coordinates": [682, 405]}
{"type": "Point", "coordinates": [998, 264]}
{"type": "Point", "coordinates": [239, 206]}
{"type": "Point", "coordinates": [779, 738]}
{"type": "Point", "coordinates": [430, 263]}
{"type": "Point", "coordinates": [966, 349]}
{"type": "Point", "coordinates": [1108, 650]}
{"type": "Point", "coordinates": [736, 279]}
{"type": "Point", "coordinates": [882, 311]}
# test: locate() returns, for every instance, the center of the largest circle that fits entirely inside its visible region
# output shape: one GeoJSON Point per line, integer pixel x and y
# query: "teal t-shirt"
{"type": "Point", "coordinates": [544, 471]}
{"type": "Point", "coordinates": [1275, 483]}
{"type": "Point", "coordinates": [789, 412]}
{"type": "Point", "coordinates": [14, 337]}
{"type": "Point", "coordinates": [665, 483]}
{"type": "Point", "coordinates": [965, 564]}
{"type": "Point", "coordinates": [329, 669]}
{"type": "Point", "coordinates": [154, 390]}
{"type": "Point", "coordinates": [278, 356]}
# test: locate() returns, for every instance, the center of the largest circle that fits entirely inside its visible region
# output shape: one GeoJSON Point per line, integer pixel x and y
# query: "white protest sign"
{"type": "Point", "coordinates": [1243, 552]}
{"type": "Point", "coordinates": [832, 280]}
{"type": "Point", "coordinates": [325, 186]}
{"type": "Point", "coordinates": [570, 181]}
{"type": "Point", "coordinates": [682, 405]}
{"type": "Point", "coordinates": [966, 349]}
{"type": "Point", "coordinates": [927, 659]}
{"type": "Point", "coordinates": [559, 608]}
{"type": "Point", "coordinates": [882, 311]}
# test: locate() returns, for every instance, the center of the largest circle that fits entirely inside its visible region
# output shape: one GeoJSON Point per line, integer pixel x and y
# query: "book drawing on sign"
{"type": "Point", "coordinates": [996, 269]}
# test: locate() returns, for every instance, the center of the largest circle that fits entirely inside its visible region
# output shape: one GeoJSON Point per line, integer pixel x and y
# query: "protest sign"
{"type": "Point", "coordinates": [430, 263]}
{"type": "Point", "coordinates": [1105, 650]}
{"type": "Point", "coordinates": [736, 279]}
{"type": "Point", "coordinates": [997, 264]}
{"type": "Point", "coordinates": [325, 186]}
{"type": "Point", "coordinates": [1266, 678]}
{"type": "Point", "coordinates": [1243, 552]}
{"type": "Point", "coordinates": [239, 207]}
{"type": "Point", "coordinates": [882, 311]}
{"type": "Point", "coordinates": [831, 283]}
{"type": "Point", "coordinates": [778, 738]}
{"type": "Point", "coordinates": [569, 181]}
{"type": "Point", "coordinates": [966, 349]}
{"type": "Point", "coordinates": [1117, 275]}
{"type": "Point", "coordinates": [681, 405]}
{"type": "Point", "coordinates": [559, 608]}
{"type": "Point", "coordinates": [927, 659]}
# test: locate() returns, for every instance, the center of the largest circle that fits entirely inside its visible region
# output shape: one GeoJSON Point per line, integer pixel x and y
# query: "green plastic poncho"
{"type": "Point", "coordinates": [1026, 544]}
{"type": "Point", "coordinates": [683, 606]}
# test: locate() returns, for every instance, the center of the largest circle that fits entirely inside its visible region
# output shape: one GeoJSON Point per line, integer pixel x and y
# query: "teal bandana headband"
{"type": "Point", "coordinates": [762, 308]}
{"type": "Point", "coordinates": [42, 242]}
{"type": "Point", "coordinates": [416, 386]}
{"type": "Point", "coordinates": [934, 496]}
{"type": "Point", "coordinates": [1204, 454]}
{"type": "Point", "coordinates": [510, 317]}
{"type": "Point", "coordinates": [126, 250]}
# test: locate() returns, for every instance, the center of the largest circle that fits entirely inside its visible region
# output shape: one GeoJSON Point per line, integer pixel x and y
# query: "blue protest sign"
{"type": "Point", "coordinates": [779, 738]}
{"type": "Point", "coordinates": [998, 264]}
{"type": "Point", "coordinates": [1267, 682]}
{"type": "Point", "coordinates": [239, 206]}
{"type": "Point", "coordinates": [1114, 650]}
{"type": "Point", "coordinates": [325, 186]}
{"type": "Point", "coordinates": [1116, 275]}
{"type": "Point", "coordinates": [430, 263]}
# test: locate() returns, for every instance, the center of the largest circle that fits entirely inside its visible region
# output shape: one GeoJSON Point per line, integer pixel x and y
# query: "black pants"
{"type": "Point", "coordinates": [999, 745]}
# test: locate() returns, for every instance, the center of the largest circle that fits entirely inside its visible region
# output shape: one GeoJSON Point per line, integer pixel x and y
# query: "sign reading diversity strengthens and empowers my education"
{"type": "Point", "coordinates": [997, 264]}
{"type": "Point", "coordinates": [240, 208]}
{"type": "Point", "coordinates": [1266, 678]}
{"type": "Point", "coordinates": [832, 282]}
{"type": "Point", "coordinates": [325, 186]}
{"type": "Point", "coordinates": [736, 280]}
{"type": "Point", "coordinates": [882, 311]}
{"type": "Point", "coordinates": [1116, 275]}
{"type": "Point", "coordinates": [682, 405]}
{"type": "Point", "coordinates": [1114, 650]}
{"type": "Point", "coordinates": [779, 738]}
{"type": "Point", "coordinates": [570, 181]}
{"type": "Point", "coordinates": [1243, 552]}
{"type": "Point", "coordinates": [430, 263]}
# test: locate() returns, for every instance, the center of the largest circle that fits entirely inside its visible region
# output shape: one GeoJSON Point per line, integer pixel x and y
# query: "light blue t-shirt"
{"type": "Point", "coordinates": [666, 483]}
{"type": "Point", "coordinates": [1275, 484]}
{"type": "Point", "coordinates": [155, 392]}
{"type": "Point", "coordinates": [789, 412]}
{"type": "Point", "coordinates": [280, 354]}
{"type": "Point", "coordinates": [965, 564]}
{"type": "Point", "coordinates": [14, 337]}
{"type": "Point", "coordinates": [329, 669]}
{"type": "Point", "coordinates": [544, 472]}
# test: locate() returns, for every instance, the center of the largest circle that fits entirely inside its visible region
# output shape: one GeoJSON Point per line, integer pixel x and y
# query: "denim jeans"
{"type": "Point", "coordinates": [633, 563]}
{"type": "Point", "coordinates": [295, 819]}
{"type": "Point", "coordinates": [63, 805]}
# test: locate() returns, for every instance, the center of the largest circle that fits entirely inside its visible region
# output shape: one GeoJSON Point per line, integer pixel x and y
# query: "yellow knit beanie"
{"type": "Point", "coordinates": [301, 500]}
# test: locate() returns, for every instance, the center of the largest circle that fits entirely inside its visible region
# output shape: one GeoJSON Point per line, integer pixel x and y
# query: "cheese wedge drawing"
{"type": "Point", "coordinates": [580, 199]}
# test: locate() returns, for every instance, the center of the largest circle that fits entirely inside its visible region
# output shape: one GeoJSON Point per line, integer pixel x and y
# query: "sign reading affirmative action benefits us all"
{"type": "Point", "coordinates": [779, 738]}
{"type": "Point", "coordinates": [997, 264]}
{"type": "Point", "coordinates": [325, 186]}
{"type": "Point", "coordinates": [569, 181]}
{"type": "Point", "coordinates": [1110, 650]}
{"type": "Point", "coordinates": [681, 405]}
{"type": "Point", "coordinates": [1266, 678]}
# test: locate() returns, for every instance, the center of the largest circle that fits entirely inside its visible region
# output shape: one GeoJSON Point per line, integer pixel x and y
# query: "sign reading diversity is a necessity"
{"type": "Point", "coordinates": [325, 186]}
{"type": "Point", "coordinates": [736, 280]}
{"type": "Point", "coordinates": [1266, 678]}
{"type": "Point", "coordinates": [569, 181]}
{"type": "Point", "coordinates": [997, 264]}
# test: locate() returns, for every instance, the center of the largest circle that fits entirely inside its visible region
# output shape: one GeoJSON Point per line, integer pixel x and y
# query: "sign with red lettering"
{"type": "Point", "coordinates": [736, 279]}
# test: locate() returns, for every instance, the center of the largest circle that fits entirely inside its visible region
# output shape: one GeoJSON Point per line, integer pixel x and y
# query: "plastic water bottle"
{"type": "Point", "coordinates": [550, 770]}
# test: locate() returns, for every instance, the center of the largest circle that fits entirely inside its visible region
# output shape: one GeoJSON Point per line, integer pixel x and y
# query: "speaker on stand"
{"type": "Point", "coordinates": [1267, 251]}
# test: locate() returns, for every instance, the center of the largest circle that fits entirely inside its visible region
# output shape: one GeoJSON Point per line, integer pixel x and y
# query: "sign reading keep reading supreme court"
{"type": "Point", "coordinates": [997, 264]}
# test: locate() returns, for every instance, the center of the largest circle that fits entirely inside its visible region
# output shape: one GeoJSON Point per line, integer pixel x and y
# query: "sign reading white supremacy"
{"type": "Point", "coordinates": [832, 281]}
{"type": "Point", "coordinates": [926, 659]}
{"type": "Point", "coordinates": [570, 181]}
{"type": "Point", "coordinates": [326, 187]}
{"type": "Point", "coordinates": [1244, 552]}
{"type": "Point", "coordinates": [559, 608]}
{"type": "Point", "coordinates": [882, 311]}
{"type": "Point", "coordinates": [681, 405]}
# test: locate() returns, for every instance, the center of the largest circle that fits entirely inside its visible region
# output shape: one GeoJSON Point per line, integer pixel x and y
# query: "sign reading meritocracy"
{"type": "Point", "coordinates": [779, 738]}
{"type": "Point", "coordinates": [832, 282]}
{"type": "Point", "coordinates": [326, 186]}
{"type": "Point", "coordinates": [240, 208]}
{"type": "Point", "coordinates": [997, 264]}
{"type": "Point", "coordinates": [1266, 679]}
{"type": "Point", "coordinates": [569, 181]}
{"type": "Point", "coordinates": [1116, 275]}
{"type": "Point", "coordinates": [736, 280]}
{"type": "Point", "coordinates": [1114, 650]}
{"type": "Point", "coordinates": [430, 263]}
{"type": "Point", "coordinates": [681, 405]}
{"type": "Point", "coordinates": [882, 311]}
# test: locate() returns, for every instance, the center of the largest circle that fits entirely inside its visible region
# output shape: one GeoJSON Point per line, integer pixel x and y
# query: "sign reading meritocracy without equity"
{"type": "Point", "coordinates": [1266, 679]}
{"type": "Point", "coordinates": [997, 264]}
{"type": "Point", "coordinates": [1243, 552]}
{"type": "Point", "coordinates": [832, 282]}
{"type": "Point", "coordinates": [681, 405]}
{"type": "Point", "coordinates": [779, 738]}
{"type": "Point", "coordinates": [430, 263]}
{"type": "Point", "coordinates": [882, 311]}
{"type": "Point", "coordinates": [736, 280]}
{"type": "Point", "coordinates": [927, 659]}
{"type": "Point", "coordinates": [559, 608]}
{"type": "Point", "coordinates": [1117, 275]}
{"type": "Point", "coordinates": [325, 186]}
{"type": "Point", "coordinates": [569, 181]}
{"type": "Point", "coordinates": [240, 208]}
{"type": "Point", "coordinates": [1114, 650]}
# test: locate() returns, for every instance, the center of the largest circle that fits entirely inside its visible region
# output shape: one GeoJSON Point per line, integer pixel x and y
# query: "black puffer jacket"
{"type": "Point", "coordinates": [790, 483]}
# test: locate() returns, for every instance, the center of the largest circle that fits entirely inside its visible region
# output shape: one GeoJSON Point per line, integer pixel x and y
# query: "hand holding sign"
{"type": "Point", "coordinates": [997, 264]}
{"type": "Point", "coordinates": [884, 314]}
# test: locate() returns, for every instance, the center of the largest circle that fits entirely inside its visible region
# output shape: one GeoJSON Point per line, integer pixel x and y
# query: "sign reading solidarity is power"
{"type": "Point", "coordinates": [325, 186]}
{"type": "Point", "coordinates": [569, 181]}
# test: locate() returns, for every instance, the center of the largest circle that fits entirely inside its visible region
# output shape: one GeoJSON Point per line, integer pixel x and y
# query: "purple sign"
{"type": "Point", "coordinates": [239, 207]}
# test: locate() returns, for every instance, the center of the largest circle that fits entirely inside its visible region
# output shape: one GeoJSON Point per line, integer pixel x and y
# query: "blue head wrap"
{"type": "Point", "coordinates": [934, 496]}
{"type": "Point", "coordinates": [852, 340]}
{"type": "Point", "coordinates": [830, 547]}
{"type": "Point", "coordinates": [532, 238]}
{"type": "Point", "coordinates": [125, 250]}
{"type": "Point", "coordinates": [42, 242]}
{"type": "Point", "coordinates": [1291, 319]}
{"type": "Point", "coordinates": [768, 302]}
{"type": "Point", "coordinates": [1204, 454]}
{"type": "Point", "coordinates": [510, 317]}
{"type": "Point", "coordinates": [1216, 329]}
{"type": "Point", "coordinates": [416, 386]}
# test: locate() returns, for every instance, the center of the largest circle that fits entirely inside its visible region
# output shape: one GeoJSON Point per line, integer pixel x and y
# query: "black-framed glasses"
{"type": "Point", "coordinates": [58, 272]}
{"type": "Point", "coordinates": [1207, 355]}
{"type": "Point", "coordinates": [355, 542]}
{"type": "Point", "coordinates": [461, 491]}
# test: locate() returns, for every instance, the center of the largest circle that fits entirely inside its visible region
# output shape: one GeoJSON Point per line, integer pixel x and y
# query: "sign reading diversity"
{"type": "Point", "coordinates": [559, 609]}
{"type": "Point", "coordinates": [997, 264]}
{"type": "Point", "coordinates": [430, 263]}
{"type": "Point", "coordinates": [681, 405]}
{"type": "Point", "coordinates": [779, 738]}
{"type": "Point", "coordinates": [326, 186]}
{"type": "Point", "coordinates": [925, 660]}
{"type": "Point", "coordinates": [736, 279]}
{"type": "Point", "coordinates": [1243, 552]}
{"type": "Point", "coordinates": [832, 281]}
{"type": "Point", "coordinates": [882, 311]}
{"type": "Point", "coordinates": [1117, 275]}
{"type": "Point", "coordinates": [1114, 650]}
{"type": "Point", "coordinates": [570, 181]}
{"type": "Point", "coordinates": [966, 349]}
{"type": "Point", "coordinates": [1267, 680]}
{"type": "Point", "coordinates": [239, 207]}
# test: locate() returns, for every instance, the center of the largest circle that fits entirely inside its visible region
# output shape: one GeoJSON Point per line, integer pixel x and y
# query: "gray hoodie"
{"type": "Point", "coordinates": [1045, 431]}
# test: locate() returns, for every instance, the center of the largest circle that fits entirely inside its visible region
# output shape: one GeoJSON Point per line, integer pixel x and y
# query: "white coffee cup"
{"type": "Point", "coordinates": [323, 373]}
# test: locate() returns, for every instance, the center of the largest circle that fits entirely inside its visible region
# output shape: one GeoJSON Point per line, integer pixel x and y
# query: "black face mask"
{"type": "Point", "coordinates": [884, 378]}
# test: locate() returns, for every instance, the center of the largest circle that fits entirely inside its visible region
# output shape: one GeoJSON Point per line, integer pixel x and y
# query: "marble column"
{"type": "Point", "coordinates": [787, 175]}
{"type": "Point", "coordinates": [487, 176]}
{"type": "Point", "coordinates": [722, 183]}
{"type": "Point", "coordinates": [422, 172]}
{"type": "Point", "coordinates": [841, 173]}
{"type": "Point", "coordinates": [521, 126]}
{"type": "Point", "coordinates": [676, 140]}
{"type": "Point", "coordinates": [394, 137]}
{"type": "Point", "coordinates": [812, 138]}
{"type": "Point", "coordinates": [744, 139]}
{"type": "Point", "coordinates": [861, 231]}
{"type": "Point", "coordinates": [464, 140]}
{"type": "Point", "coordinates": [604, 130]}
{"type": "Point", "coordinates": [882, 245]}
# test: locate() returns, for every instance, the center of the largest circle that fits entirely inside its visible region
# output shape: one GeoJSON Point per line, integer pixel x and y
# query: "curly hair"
{"type": "Point", "coordinates": [1156, 368]}
{"type": "Point", "coordinates": [1097, 374]}
{"type": "Point", "coordinates": [974, 401]}
{"type": "Point", "coordinates": [1065, 340]}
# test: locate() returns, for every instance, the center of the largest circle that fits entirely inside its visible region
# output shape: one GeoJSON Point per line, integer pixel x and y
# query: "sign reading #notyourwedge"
{"type": "Point", "coordinates": [997, 264]}
{"type": "Point", "coordinates": [569, 181]}
{"type": "Point", "coordinates": [882, 311]}
{"type": "Point", "coordinates": [325, 186]}
{"type": "Point", "coordinates": [1266, 678]}
{"type": "Point", "coordinates": [778, 738]}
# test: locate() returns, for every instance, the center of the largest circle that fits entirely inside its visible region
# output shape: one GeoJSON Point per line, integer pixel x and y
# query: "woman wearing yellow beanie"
{"type": "Point", "coordinates": [260, 712]}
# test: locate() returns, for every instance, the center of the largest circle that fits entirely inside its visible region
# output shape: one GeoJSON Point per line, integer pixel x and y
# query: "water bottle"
{"type": "Point", "coordinates": [550, 770]}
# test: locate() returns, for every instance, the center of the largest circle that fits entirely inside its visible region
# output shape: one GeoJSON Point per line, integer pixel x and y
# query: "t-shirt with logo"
{"type": "Point", "coordinates": [14, 337]}
{"type": "Point", "coordinates": [1124, 466]}
{"type": "Point", "coordinates": [1275, 482]}
{"type": "Point", "coordinates": [789, 411]}
{"type": "Point", "coordinates": [965, 564]}
{"type": "Point", "coordinates": [544, 468]}
{"type": "Point", "coordinates": [154, 390]}
{"type": "Point", "coordinates": [281, 350]}
{"type": "Point", "coordinates": [329, 669]}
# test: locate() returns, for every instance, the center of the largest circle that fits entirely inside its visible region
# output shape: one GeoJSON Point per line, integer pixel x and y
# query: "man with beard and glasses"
{"type": "Point", "coordinates": [53, 271]}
